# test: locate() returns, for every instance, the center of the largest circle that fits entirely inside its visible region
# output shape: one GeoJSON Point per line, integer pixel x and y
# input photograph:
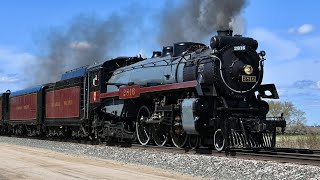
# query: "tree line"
{"type": "Point", "coordinates": [295, 118]}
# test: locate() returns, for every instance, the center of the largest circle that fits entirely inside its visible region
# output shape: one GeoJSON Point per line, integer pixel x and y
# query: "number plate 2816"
{"type": "Point", "coordinates": [249, 79]}
{"type": "Point", "coordinates": [129, 92]}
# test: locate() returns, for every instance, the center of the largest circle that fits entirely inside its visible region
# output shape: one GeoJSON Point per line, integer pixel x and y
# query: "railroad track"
{"type": "Point", "coordinates": [283, 155]}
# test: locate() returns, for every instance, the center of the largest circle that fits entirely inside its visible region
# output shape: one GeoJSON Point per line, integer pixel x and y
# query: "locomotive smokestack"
{"type": "Point", "coordinates": [225, 32]}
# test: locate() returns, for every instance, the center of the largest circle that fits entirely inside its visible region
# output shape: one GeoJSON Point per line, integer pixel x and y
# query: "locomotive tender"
{"type": "Point", "coordinates": [186, 95]}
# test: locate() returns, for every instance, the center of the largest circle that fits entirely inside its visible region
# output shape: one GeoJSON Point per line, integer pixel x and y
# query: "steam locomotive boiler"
{"type": "Point", "coordinates": [190, 93]}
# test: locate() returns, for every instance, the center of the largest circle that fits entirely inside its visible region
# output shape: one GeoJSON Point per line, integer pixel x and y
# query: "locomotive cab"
{"type": "Point", "coordinates": [100, 74]}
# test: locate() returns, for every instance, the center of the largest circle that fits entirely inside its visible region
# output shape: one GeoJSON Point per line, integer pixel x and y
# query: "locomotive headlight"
{"type": "Point", "coordinates": [248, 69]}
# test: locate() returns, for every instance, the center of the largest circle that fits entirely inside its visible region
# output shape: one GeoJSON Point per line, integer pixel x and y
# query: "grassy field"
{"type": "Point", "coordinates": [311, 141]}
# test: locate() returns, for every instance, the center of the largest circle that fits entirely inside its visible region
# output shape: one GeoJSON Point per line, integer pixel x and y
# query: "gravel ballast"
{"type": "Point", "coordinates": [197, 165]}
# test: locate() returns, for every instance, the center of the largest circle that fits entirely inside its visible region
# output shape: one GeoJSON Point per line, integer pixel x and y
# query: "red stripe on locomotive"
{"type": "Point", "coordinates": [129, 92]}
{"type": "Point", "coordinates": [95, 96]}
{"type": "Point", "coordinates": [63, 103]}
{"type": "Point", "coordinates": [110, 94]}
{"type": "Point", "coordinates": [24, 107]}
{"type": "Point", "coordinates": [165, 87]}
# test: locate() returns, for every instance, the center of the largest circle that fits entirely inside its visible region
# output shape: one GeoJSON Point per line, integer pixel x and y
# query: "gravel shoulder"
{"type": "Point", "coordinates": [173, 165]}
{"type": "Point", "coordinates": [21, 162]}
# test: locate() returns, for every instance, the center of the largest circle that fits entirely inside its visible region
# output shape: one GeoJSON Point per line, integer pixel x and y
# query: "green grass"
{"type": "Point", "coordinates": [310, 141]}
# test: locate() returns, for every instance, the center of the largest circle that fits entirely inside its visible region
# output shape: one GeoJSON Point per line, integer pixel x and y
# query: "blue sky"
{"type": "Point", "coordinates": [289, 31]}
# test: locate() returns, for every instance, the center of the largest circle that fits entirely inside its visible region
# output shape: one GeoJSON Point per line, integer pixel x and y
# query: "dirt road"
{"type": "Point", "coordinates": [19, 162]}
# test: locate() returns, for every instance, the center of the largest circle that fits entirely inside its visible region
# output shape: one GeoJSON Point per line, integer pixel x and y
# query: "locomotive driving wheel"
{"type": "Point", "coordinates": [178, 135]}
{"type": "Point", "coordinates": [160, 134]}
{"type": "Point", "coordinates": [143, 130]}
{"type": "Point", "coordinates": [219, 140]}
{"type": "Point", "coordinates": [179, 140]}
{"type": "Point", "coordinates": [194, 141]}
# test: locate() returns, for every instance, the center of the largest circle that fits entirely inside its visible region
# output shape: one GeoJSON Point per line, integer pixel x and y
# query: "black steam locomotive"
{"type": "Point", "coordinates": [186, 95]}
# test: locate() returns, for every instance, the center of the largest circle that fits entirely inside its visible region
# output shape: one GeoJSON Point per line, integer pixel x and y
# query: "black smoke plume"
{"type": "Point", "coordinates": [194, 20]}
{"type": "Point", "coordinates": [85, 41]}
{"type": "Point", "coordinates": [88, 39]}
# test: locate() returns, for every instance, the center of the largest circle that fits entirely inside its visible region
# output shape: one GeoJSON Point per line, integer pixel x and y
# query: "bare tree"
{"type": "Point", "coordinates": [296, 120]}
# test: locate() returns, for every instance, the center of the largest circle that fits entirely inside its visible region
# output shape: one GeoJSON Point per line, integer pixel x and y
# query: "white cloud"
{"type": "Point", "coordinates": [276, 46]}
{"type": "Point", "coordinates": [8, 79]}
{"type": "Point", "coordinates": [302, 30]}
{"type": "Point", "coordinates": [12, 60]}
{"type": "Point", "coordinates": [293, 66]}
{"type": "Point", "coordinates": [82, 45]}
{"type": "Point", "coordinates": [305, 29]}
{"type": "Point", "coordinates": [285, 73]}
{"type": "Point", "coordinates": [14, 68]}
